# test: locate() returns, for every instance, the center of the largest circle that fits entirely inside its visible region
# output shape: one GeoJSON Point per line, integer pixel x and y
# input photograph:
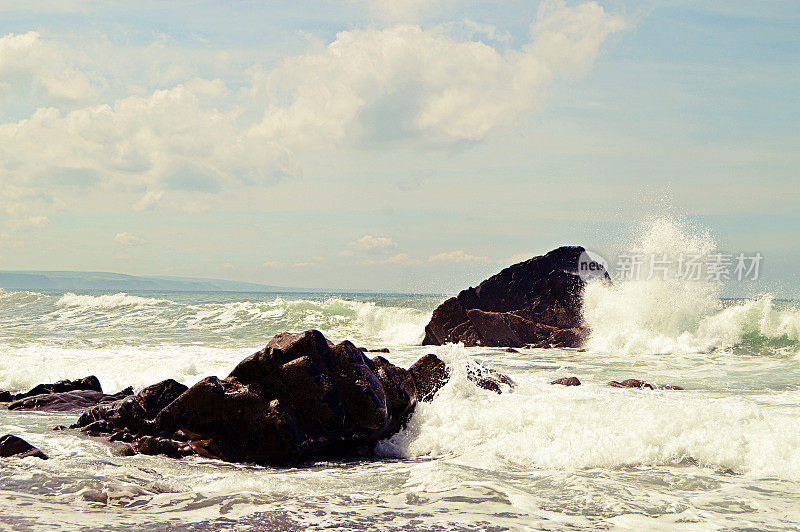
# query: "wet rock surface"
{"type": "Point", "coordinates": [532, 303]}
{"type": "Point", "coordinates": [66, 401]}
{"type": "Point", "coordinates": [17, 447]}
{"type": "Point", "coordinates": [87, 383]}
{"type": "Point", "coordinates": [300, 398]}
{"type": "Point", "coordinates": [641, 385]}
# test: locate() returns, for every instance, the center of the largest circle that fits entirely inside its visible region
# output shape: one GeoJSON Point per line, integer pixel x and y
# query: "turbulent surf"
{"type": "Point", "coordinates": [723, 453]}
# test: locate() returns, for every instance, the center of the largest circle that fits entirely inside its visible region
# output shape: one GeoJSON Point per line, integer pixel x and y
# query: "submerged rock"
{"type": "Point", "coordinates": [642, 385]}
{"type": "Point", "coordinates": [567, 381]}
{"type": "Point", "coordinates": [536, 302]}
{"type": "Point", "coordinates": [489, 379]}
{"type": "Point", "coordinates": [17, 447]}
{"type": "Point", "coordinates": [87, 383]}
{"type": "Point", "coordinates": [300, 398]}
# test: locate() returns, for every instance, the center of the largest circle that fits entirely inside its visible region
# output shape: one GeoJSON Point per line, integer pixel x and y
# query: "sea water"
{"type": "Point", "coordinates": [723, 454]}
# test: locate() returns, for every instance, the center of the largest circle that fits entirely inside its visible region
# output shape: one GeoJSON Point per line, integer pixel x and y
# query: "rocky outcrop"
{"type": "Point", "coordinates": [300, 398]}
{"type": "Point", "coordinates": [536, 302]}
{"type": "Point", "coordinates": [87, 383]}
{"type": "Point", "coordinates": [67, 401]}
{"type": "Point", "coordinates": [17, 447]}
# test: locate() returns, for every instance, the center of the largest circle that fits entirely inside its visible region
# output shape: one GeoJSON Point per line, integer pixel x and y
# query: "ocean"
{"type": "Point", "coordinates": [723, 454]}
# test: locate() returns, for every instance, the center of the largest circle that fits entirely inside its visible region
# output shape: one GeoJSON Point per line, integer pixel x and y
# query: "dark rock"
{"type": "Point", "coordinates": [429, 374]}
{"type": "Point", "coordinates": [631, 383]}
{"type": "Point", "coordinates": [66, 401]}
{"type": "Point", "coordinates": [19, 448]}
{"type": "Point", "coordinates": [131, 412]}
{"type": "Point", "coordinates": [380, 350]}
{"type": "Point", "coordinates": [489, 379]}
{"type": "Point", "coordinates": [510, 350]}
{"type": "Point", "coordinates": [636, 383]}
{"type": "Point", "coordinates": [87, 383]}
{"type": "Point", "coordinates": [536, 302]}
{"type": "Point", "coordinates": [300, 398]}
{"type": "Point", "coordinates": [567, 381]}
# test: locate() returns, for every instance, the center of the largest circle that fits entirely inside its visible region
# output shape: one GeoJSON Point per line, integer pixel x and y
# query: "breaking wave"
{"type": "Point", "coordinates": [148, 320]}
{"type": "Point", "coordinates": [675, 315]}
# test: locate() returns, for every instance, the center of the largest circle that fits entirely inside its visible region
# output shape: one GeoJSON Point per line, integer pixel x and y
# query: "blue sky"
{"type": "Point", "coordinates": [413, 145]}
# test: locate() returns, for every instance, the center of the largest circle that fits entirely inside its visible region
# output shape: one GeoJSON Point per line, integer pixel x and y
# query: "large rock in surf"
{"type": "Point", "coordinates": [17, 447]}
{"type": "Point", "coordinates": [536, 302]}
{"type": "Point", "coordinates": [300, 398]}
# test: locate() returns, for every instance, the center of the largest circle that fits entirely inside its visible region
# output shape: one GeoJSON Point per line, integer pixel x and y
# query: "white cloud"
{"type": "Point", "coordinates": [366, 86]}
{"type": "Point", "coordinates": [28, 223]}
{"type": "Point", "coordinates": [459, 256]}
{"type": "Point", "coordinates": [26, 57]}
{"type": "Point", "coordinates": [372, 243]}
{"type": "Point", "coordinates": [149, 200]}
{"type": "Point", "coordinates": [165, 141]}
{"type": "Point", "coordinates": [128, 239]}
{"type": "Point", "coordinates": [445, 89]}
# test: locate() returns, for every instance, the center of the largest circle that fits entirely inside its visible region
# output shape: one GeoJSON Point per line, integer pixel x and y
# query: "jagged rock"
{"type": "Point", "coordinates": [132, 412]}
{"type": "Point", "coordinates": [300, 398]}
{"type": "Point", "coordinates": [378, 350]}
{"type": "Point", "coordinates": [536, 302]}
{"type": "Point", "coordinates": [66, 401]}
{"type": "Point", "coordinates": [87, 383]}
{"type": "Point", "coordinates": [429, 374]}
{"type": "Point", "coordinates": [17, 447]}
{"type": "Point", "coordinates": [567, 381]}
{"type": "Point", "coordinates": [636, 383]}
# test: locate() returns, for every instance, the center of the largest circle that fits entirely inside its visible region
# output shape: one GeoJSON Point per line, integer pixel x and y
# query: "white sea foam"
{"type": "Point", "coordinates": [675, 315]}
{"type": "Point", "coordinates": [107, 301]}
{"type": "Point", "coordinates": [595, 426]}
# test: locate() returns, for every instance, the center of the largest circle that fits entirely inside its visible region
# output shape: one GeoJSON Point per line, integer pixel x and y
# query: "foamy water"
{"type": "Point", "coordinates": [724, 453]}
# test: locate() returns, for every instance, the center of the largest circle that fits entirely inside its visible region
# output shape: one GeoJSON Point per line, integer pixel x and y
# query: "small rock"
{"type": "Point", "coordinates": [489, 379]}
{"type": "Point", "coordinates": [19, 448]}
{"type": "Point", "coordinates": [636, 383]}
{"type": "Point", "coordinates": [567, 381]}
{"type": "Point", "coordinates": [631, 383]}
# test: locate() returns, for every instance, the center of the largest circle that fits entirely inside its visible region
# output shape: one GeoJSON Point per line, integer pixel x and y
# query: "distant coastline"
{"type": "Point", "coordinates": [80, 280]}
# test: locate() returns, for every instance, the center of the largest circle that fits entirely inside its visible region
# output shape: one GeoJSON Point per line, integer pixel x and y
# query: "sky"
{"type": "Point", "coordinates": [393, 145]}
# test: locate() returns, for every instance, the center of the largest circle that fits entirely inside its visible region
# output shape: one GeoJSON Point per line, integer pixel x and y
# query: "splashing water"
{"type": "Point", "coordinates": [660, 312]}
